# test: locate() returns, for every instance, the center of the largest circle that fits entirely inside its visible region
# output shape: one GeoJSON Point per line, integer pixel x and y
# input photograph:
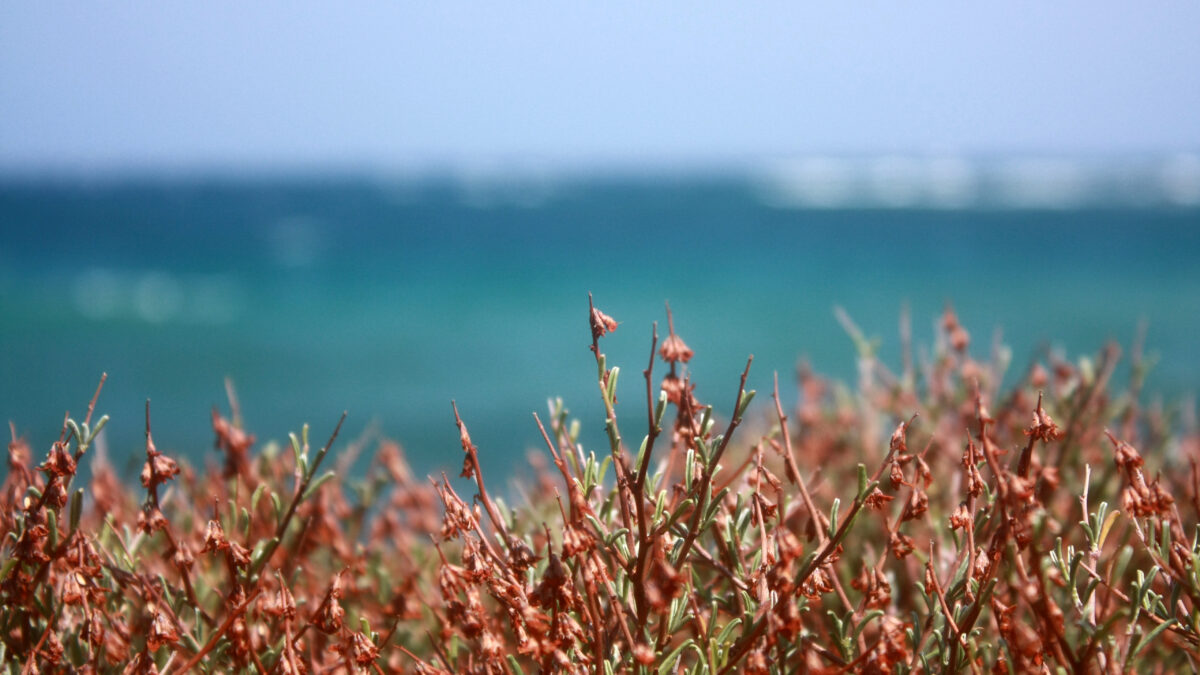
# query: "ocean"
{"type": "Point", "coordinates": [391, 297]}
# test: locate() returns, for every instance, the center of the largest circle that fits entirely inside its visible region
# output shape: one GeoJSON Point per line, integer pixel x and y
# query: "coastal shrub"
{"type": "Point", "coordinates": [929, 519]}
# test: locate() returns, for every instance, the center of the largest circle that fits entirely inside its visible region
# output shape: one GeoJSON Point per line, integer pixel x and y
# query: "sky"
{"type": "Point", "coordinates": [269, 84]}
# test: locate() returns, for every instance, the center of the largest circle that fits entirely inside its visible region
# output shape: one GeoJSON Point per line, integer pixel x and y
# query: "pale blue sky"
{"type": "Point", "coordinates": [102, 85]}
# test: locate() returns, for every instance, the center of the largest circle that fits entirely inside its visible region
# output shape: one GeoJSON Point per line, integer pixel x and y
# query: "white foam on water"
{"type": "Point", "coordinates": [898, 182]}
{"type": "Point", "coordinates": [99, 294]}
{"type": "Point", "coordinates": [157, 297]}
{"type": "Point", "coordinates": [953, 182]}
{"type": "Point", "coordinates": [1041, 183]}
{"type": "Point", "coordinates": [1181, 180]}
{"type": "Point", "coordinates": [813, 182]}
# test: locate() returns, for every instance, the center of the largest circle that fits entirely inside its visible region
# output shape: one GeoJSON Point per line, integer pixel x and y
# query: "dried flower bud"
{"type": "Point", "coordinates": [901, 545]}
{"type": "Point", "coordinates": [214, 537]}
{"type": "Point", "coordinates": [162, 631]}
{"type": "Point", "coordinates": [56, 494]}
{"type": "Point", "coordinates": [960, 339]}
{"type": "Point", "coordinates": [183, 558]}
{"type": "Point", "coordinates": [52, 649]}
{"type": "Point", "coordinates": [236, 444]}
{"type": "Point", "coordinates": [577, 540]}
{"type": "Point", "coordinates": [74, 586]}
{"type": "Point", "coordinates": [1126, 456]}
{"type": "Point", "coordinates": [282, 604]}
{"type": "Point", "coordinates": [520, 556]}
{"type": "Point", "coordinates": [59, 462]}
{"type": "Point", "coordinates": [158, 469]}
{"type": "Point", "coordinates": [678, 390]}
{"type": "Point", "coordinates": [29, 546]}
{"type": "Point", "coordinates": [923, 472]}
{"type": "Point", "coordinates": [897, 443]}
{"type": "Point", "coordinates": [363, 650]}
{"type": "Point", "coordinates": [142, 664]}
{"type": "Point", "coordinates": [918, 504]}
{"type": "Point", "coordinates": [1043, 427]}
{"type": "Point", "coordinates": [877, 500]}
{"type": "Point", "coordinates": [601, 324]}
{"type": "Point", "coordinates": [960, 518]}
{"type": "Point", "coordinates": [674, 350]}
{"type": "Point", "coordinates": [239, 554]}
{"type": "Point", "coordinates": [150, 519]}
{"type": "Point", "coordinates": [329, 618]}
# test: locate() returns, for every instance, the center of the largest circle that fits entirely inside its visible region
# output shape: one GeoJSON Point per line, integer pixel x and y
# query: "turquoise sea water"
{"type": "Point", "coordinates": [390, 298]}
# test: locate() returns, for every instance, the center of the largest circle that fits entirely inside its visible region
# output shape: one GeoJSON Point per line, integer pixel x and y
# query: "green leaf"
{"type": "Point", "coordinates": [52, 525]}
{"type": "Point", "coordinates": [727, 631]}
{"type": "Point", "coordinates": [1151, 635]}
{"type": "Point", "coordinates": [744, 402]}
{"type": "Point", "coordinates": [258, 493]}
{"type": "Point", "coordinates": [516, 667]}
{"type": "Point", "coordinates": [612, 384]}
{"type": "Point", "coordinates": [614, 535]}
{"type": "Point", "coordinates": [316, 484]}
{"type": "Point", "coordinates": [297, 453]}
{"type": "Point", "coordinates": [76, 509]}
{"type": "Point", "coordinates": [680, 511]}
{"type": "Point", "coordinates": [99, 425]}
{"type": "Point", "coordinates": [669, 660]}
{"type": "Point", "coordinates": [8, 567]}
{"type": "Point", "coordinates": [260, 549]}
{"type": "Point", "coordinates": [603, 470]}
{"type": "Point", "coordinates": [715, 504]}
{"type": "Point", "coordinates": [660, 408]}
{"type": "Point", "coordinates": [873, 614]}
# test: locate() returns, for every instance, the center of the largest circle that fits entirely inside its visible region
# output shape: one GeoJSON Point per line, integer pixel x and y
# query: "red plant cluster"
{"type": "Point", "coordinates": [925, 522]}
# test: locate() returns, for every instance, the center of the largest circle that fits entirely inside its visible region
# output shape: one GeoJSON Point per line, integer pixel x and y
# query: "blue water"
{"type": "Point", "coordinates": [390, 298]}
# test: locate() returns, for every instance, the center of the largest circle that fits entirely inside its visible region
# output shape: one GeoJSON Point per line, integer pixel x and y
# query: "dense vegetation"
{"type": "Point", "coordinates": [925, 520]}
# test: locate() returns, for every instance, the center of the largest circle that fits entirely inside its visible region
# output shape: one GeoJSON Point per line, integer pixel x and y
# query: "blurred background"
{"type": "Point", "coordinates": [385, 207]}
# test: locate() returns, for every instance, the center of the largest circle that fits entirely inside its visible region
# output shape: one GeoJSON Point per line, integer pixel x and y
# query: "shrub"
{"type": "Point", "coordinates": [926, 521]}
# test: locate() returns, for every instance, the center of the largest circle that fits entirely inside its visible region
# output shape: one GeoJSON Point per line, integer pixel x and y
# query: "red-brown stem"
{"type": "Point", "coordinates": [624, 484]}
{"type": "Point", "coordinates": [216, 637]}
{"type": "Point", "coordinates": [1027, 452]}
{"type": "Point", "coordinates": [742, 646]}
{"type": "Point", "coordinates": [281, 528]}
{"type": "Point", "coordinates": [955, 633]}
{"type": "Point", "coordinates": [473, 458]}
{"type": "Point", "coordinates": [641, 606]}
{"type": "Point", "coordinates": [706, 478]}
{"type": "Point", "coordinates": [652, 429]}
{"type": "Point", "coordinates": [794, 471]}
{"type": "Point", "coordinates": [92, 404]}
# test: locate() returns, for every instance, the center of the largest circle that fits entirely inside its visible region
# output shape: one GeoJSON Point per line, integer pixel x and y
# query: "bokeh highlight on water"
{"type": "Point", "coordinates": [390, 298]}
